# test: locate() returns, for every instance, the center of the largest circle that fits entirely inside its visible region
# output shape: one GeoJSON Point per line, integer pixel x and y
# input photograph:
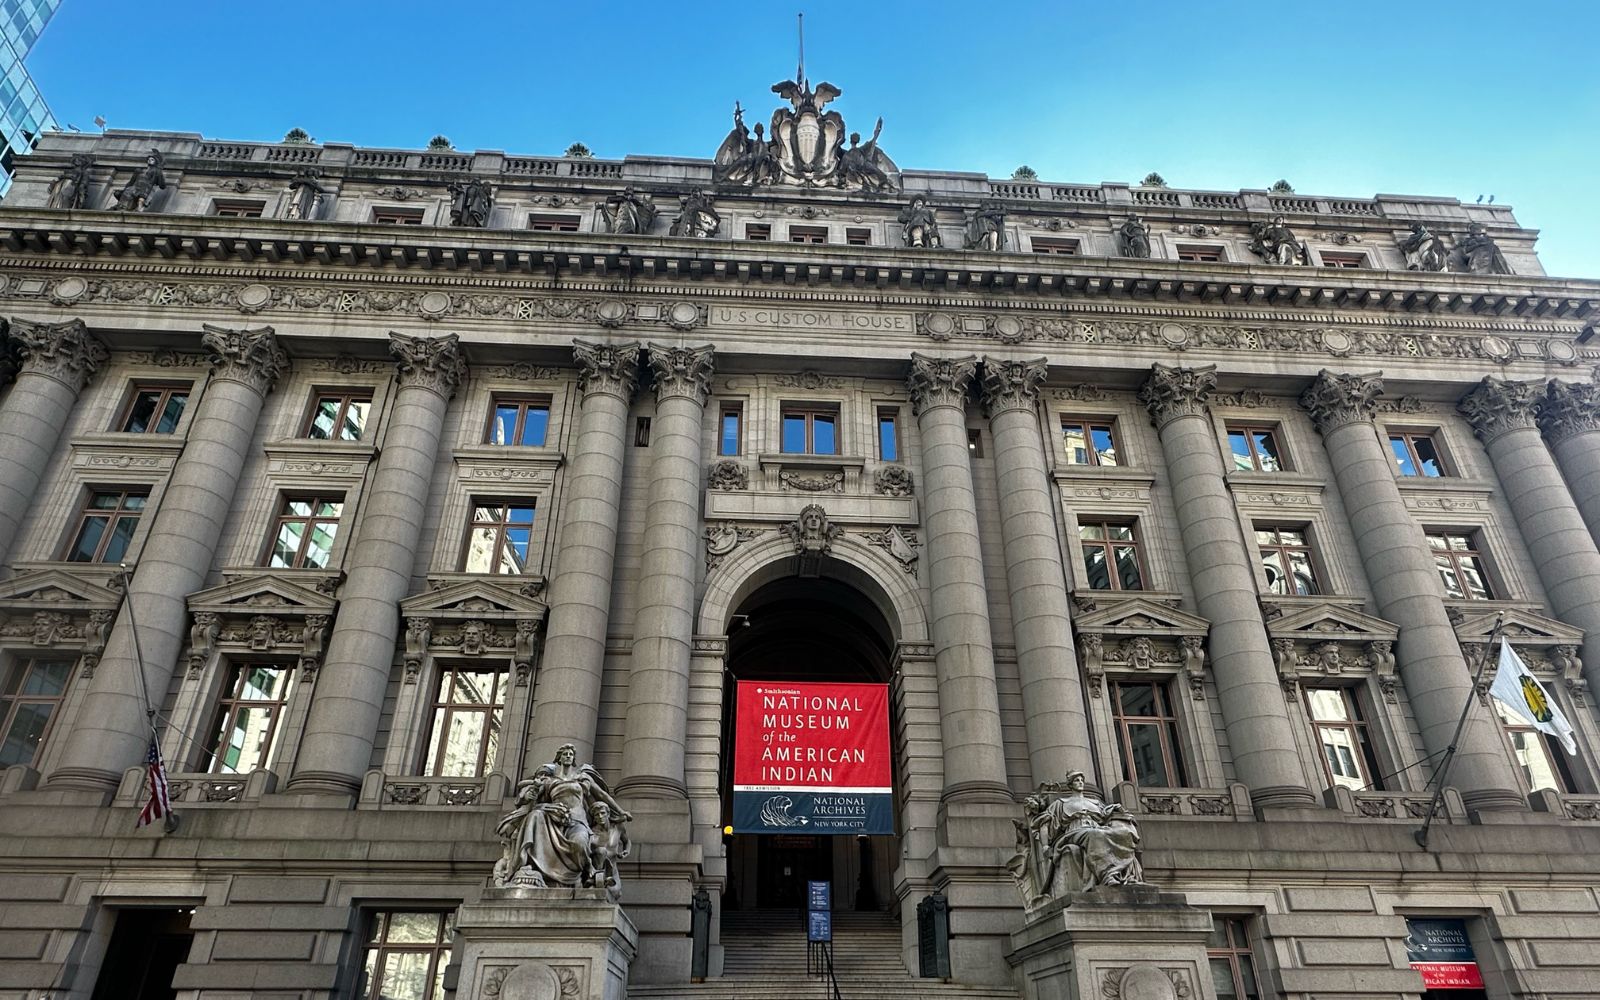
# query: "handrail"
{"type": "Point", "coordinates": [827, 953]}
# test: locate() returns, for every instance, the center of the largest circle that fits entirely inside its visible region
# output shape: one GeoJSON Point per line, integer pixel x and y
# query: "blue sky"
{"type": "Point", "coordinates": [1461, 99]}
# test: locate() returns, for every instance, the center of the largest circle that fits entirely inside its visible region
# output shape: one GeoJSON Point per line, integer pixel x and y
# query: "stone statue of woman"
{"type": "Point", "coordinates": [550, 836]}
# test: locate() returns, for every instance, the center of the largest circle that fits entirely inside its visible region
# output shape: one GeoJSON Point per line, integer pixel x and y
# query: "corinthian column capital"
{"type": "Point", "coordinates": [1569, 408]}
{"type": "Point", "coordinates": [1171, 392]}
{"type": "Point", "coordinates": [682, 371]}
{"type": "Point", "coordinates": [66, 352]}
{"type": "Point", "coordinates": [433, 363]}
{"type": "Point", "coordinates": [252, 357]}
{"type": "Point", "coordinates": [1335, 399]}
{"type": "Point", "coordinates": [607, 368]}
{"type": "Point", "coordinates": [1500, 405]}
{"type": "Point", "coordinates": [1012, 385]}
{"type": "Point", "coordinates": [940, 381]}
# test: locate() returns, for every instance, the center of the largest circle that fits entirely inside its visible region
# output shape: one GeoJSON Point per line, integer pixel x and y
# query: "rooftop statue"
{"type": "Point", "coordinates": [1276, 243]}
{"type": "Point", "coordinates": [1424, 251]}
{"type": "Point", "coordinates": [136, 194]}
{"type": "Point", "coordinates": [470, 203]}
{"type": "Point", "coordinates": [1133, 238]}
{"type": "Point", "coordinates": [866, 166]}
{"type": "Point", "coordinates": [697, 217]}
{"type": "Point", "coordinates": [305, 195]}
{"type": "Point", "coordinates": [986, 227]}
{"type": "Point", "coordinates": [566, 829]}
{"type": "Point", "coordinates": [1477, 253]}
{"type": "Point", "coordinates": [629, 213]}
{"type": "Point", "coordinates": [71, 189]}
{"type": "Point", "coordinates": [806, 146]}
{"type": "Point", "coordinates": [917, 225]}
{"type": "Point", "coordinates": [1070, 840]}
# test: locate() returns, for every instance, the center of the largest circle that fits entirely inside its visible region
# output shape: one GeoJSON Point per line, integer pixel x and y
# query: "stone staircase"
{"type": "Point", "coordinates": [765, 959]}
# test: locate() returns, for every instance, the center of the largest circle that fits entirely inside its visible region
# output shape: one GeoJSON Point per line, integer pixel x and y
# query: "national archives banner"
{"type": "Point", "coordinates": [812, 758]}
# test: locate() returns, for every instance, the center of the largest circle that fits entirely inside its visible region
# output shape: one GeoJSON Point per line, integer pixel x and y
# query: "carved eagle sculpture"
{"type": "Point", "coordinates": [799, 95]}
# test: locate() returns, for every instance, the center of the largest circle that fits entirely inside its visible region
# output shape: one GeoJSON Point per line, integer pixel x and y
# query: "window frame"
{"type": "Point", "coordinates": [1343, 259]}
{"type": "Point", "coordinates": [1055, 246]}
{"type": "Point", "coordinates": [1090, 424]}
{"type": "Point", "coordinates": [809, 235]}
{"type": "Point", "coordinates": [1166, 724]}
{"type": "Point", "coordinates": [508, 504]}
{"type": "Point", "coordinates": [165, 391]}
{"type": "Point", "coordinates": [237, 208]}
{"type": "Point", "coordinates": [396, 215]}
{"type": "Point", "coordinates": [1250, 430]}
{"type": "Point", "coordinates": [890, 416]}
{"type": "Point", "coordinates": [1408, 438]}
{"type": "Point", "coordinates": [858, 236]}
{"type": "Point", "coordinates": [113, 515]}
{"type": "Point", "coordinates": [443, 712]}
{"type": "Point", "coordinates": [1554, 757]}
{"type": "Point", "coordinates": [545, 222]}
{"type": "Point", "coordinates": [1200, 253]}
{"type": "Point", "coordinates": [759, 232]}
{"type": "Point", "coordinates": [1476, 550]}
{"type": "Point", "coordinates": [1357, 725]}
{"type": "Point", "coordinates": [523, 403]}
{"type": "Point", "coordinates": [1110, 545]}
{"type": "Point", "coordinates": [730, 410]}
{"type": "Point", "coordinates": [1283, 549]}
{"type": "Point", "coordinates": [376, 945]}
{"type": "Point", "coordinates": [809, 412]}
{"type": "Point", "coordinates": [230, 700]}
{"type": "Point", "coordinates": [285, 516]}
{"type": "Point", "coordinates": [346, 398]}
{"type": "Point", "coordinates": [20, 667]}
{"type": "Point", "coordinates": [1230, 951]}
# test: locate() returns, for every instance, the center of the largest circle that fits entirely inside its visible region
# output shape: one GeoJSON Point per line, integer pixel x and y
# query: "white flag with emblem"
{"type": "Point", "coordinates": [1526, 699]}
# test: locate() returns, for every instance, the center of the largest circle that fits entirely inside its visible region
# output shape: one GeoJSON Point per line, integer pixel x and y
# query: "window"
{"type": "Point", "coordinates": [1337, 724]}
{"type": "Point", "coordinates": [974, 443]}
{"type": "Point", "coordinates": [1286, 557]}
{"type": "Point", "coordinates": [238, 209]}
{"type": "Point", "coordinates": [1065, 248]}
{"type": "Point", "coordinates": [1089, 441]}
{"type": "Point", "coordinates": [1200, 254]}
{"type": "Point", "coordinates": [888, 434]}
{"type": "Point", "coordinates": [154, 409]}
{"type": "Point", "coordinates": [641, 432]}
{"type": "Point", "coordinates": [757, 231]}
{"type": "Point", "coordinates": [499, 537]}
{"type": "Point", "coordinates": [31, 693]}
{"type": "Point", "coordinates": [1460, 564]}
{"type": "Point", "coordinates": [406, 955]}
{"type": "Point", "coordinates": [858, 237]}
{"type": "Point", "coordinates": [1255, 449]}
{"type": "Point", "coordinates": [397, 216]}
{"type": "Point", "coordinates": [247, 720]}
{"type": "Point", "coordinates": [1333, 259]}
{"type": "Point", "coordinates": [553, 223]}
{"type": "Point", "coordinates": [730, 439]}
{"type": "Point", "coordinates": [1111, 555]}
{"type": "Point", "coordinates": [106, 526]}
{"type": "Point", "coordinates": [1415, 454]}
{"type": "Point", "coordinates": [303, 536]}
{"type": "Point", "coordinates": [1233, 967]}
{"type": "Point", "coordinates": [810, 430]}
{"type": "Point", "coordinates": [519, 420]}
{"type": "Point", "coordinates": [339, 416]}
{"type": "Point", "coordinates": [1536, 755]}
{"type": "Point", "coordinates": [465, 739]}
{"type": "Point", "coordinates": [808, 234]}
{"type": "Point", "coordinates": [1147, 733]}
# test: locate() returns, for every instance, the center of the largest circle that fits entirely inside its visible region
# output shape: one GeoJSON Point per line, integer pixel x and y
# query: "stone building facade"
{"type": "Point", "coordinates": [423, 464]}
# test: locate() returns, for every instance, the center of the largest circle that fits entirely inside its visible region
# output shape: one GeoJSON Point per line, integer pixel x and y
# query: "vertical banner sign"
{"type": "Point", "coordinates": [1442, 952]}
{"type": "Point", "coordinates": [812, 758]}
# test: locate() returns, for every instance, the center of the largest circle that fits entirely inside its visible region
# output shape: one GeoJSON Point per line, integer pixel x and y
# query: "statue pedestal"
{"type": "Point", "coordinates": [545, 944]}
{"type": "Point", "coordinates": [1132, 942]}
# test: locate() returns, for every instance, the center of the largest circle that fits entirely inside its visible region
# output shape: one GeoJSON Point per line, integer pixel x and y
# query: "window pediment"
{"type": "Point", "coordinates": [1320, 640]}
{"type": "Point", "coordinates": [56, 608]}
{"type": "Point", "coordinates": [1146, 614]}
{"type": "Point", "coordinates": [473, 617]}
{"type": "Point", "coordinates": [1142, 634]}
{"type": "Point", "coordinates": [261, 613]}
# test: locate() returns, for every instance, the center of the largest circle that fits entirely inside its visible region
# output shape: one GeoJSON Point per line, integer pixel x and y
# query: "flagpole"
{"type": "Point", "coordinates": [170, 822]}
{"type": "Point", "coordinates": [1461, 723]}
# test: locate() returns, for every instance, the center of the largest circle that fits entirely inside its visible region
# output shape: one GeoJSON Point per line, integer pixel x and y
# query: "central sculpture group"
{"type": "Point", "coordinates": [1071, 841]}
{"type": "Point", "coordinates": [565, 830]}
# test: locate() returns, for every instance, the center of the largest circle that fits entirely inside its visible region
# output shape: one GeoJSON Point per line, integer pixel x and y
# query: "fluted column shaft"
{"type": "Point", "coordinates": [57, 359]}
{"type": "Point", "coordinates": [1400, 568]}
{"type": "Point", "coordinates": [1570, 418]}
{"type": "Point", "coordinates": [969, 704]}
{"type": "Point", "coordinates": [1222, 569]}
{"type": "Point", "coordinates": [1052, 694]}
{"type": "Point", "coordinates": [343, 722]}
{"type": "Point", "coordinates": [112, 730]}
{"type": "Point", "coordinates": [658, 680]}
{"type": "Point", "coordinates": [567, 699]}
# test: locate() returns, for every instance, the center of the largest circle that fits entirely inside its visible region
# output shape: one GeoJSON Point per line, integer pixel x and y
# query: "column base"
{"type": "Point", "coordinates": [978, 791]}
{"type": "Point", "coordinates": [1128, 941]}
{"type": "Point", "coordinates": [575, 944]}
{"type": "Point", "coordinates": [1494, 800]}
{"type": "Point", "coordinates": [651, 786]}
{"type": "Point", "coordinates": [91, 779]}
{"type": "Point", "coordinates": [324, 783]}
{"type": "Point", "coordinates": [1284, 797]}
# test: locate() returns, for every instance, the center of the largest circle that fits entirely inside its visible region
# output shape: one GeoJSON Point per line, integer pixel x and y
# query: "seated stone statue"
{"type": "Point", "coordinates": [562, 814]}
{"type": "Point", "coordinates": [1070, 841]}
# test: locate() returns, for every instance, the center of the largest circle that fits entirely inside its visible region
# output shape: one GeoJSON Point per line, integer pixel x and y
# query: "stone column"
{"type": "Point", "coordinates": [1504, 415]}
{"type": "Point", "coordinates": [56, 360]}
{"type": "Point", "coordinates": [343, 722]}
{"type": "Point", "coordinates": [111, 730]}
{"type": "Point", "coordinates": [567, 702]}
{"type": "Point", "coordinates": [969, 705]}
{"type": "Point", "coordinates": [663, 631]}
{"type": "Point", "coordinates": [1052, 694]}
{"type": "Point", "coordinates": [1223, 570]}
{"type": "Point", "coordinates": [1406, 586]}
{"type": "Point", "coordinates": [1570, 419]}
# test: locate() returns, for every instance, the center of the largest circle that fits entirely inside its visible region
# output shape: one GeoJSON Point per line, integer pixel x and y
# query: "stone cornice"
{"type": "Point", "coordinates": [1497, 406]}
{"type": "Point", "coordinates": [1173, 392]}
{"type": "Point", "coordinates": [1570, 408]}
{"type": "Point", "coordinates": [1012, 385]}
{"type": "Point", "coordinates": [936, 382]}
{"type": "Point", "coordinates": [252, 357]}
{"type": "Point", "coordinates": [1335, 399]}
{"type": "Point", "coordinates": [682, 371]}
{"type": "Point", "coordinates": [66, 352]}
{"type": "Point", "coordinates": [433, 363]}
{"type": "Point", "coordinates": [607, 368]}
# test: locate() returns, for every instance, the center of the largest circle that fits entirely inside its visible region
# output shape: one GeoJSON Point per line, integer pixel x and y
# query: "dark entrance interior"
{"type": "Point", "coordinates": [146, 948]}
{"type": "Point", "coordinates": [800, 629]}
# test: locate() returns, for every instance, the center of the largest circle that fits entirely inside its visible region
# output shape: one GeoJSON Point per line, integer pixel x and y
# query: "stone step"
{"type": "Point", "coordinates": [815, 989]}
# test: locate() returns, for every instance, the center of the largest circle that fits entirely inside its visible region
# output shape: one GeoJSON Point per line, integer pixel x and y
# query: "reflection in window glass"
{"type": "Point", "coordinates": [406, 956]}
{"type": "Point", "coordinates": [1089, 442]}
{"type": "Point", "coordinates": [465, 737]}
{"type": "Point", "coordinates": [30, 693]}
{"type": "Point", "coordinates": [1111, 556]}
{"type": "Point", "coordinates": [248, 717]}
{"type": "Point", "coordinates": [499, 536]}
{"type": "Point", "coordinates": [1347, 757]}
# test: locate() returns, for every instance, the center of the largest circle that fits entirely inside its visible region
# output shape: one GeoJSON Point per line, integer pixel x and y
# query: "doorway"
{"type": "Point", "coordinates": [147, 946]}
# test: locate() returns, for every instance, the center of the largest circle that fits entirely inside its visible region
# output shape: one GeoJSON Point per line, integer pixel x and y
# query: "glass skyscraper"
{"type": "Point", "coordinates": [23, 113]}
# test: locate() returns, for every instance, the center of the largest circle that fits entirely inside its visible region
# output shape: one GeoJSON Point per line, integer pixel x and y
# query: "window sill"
{"type": "Point", "coordinates": [817, 461]}
{"type": "Point", "coordinates": [1100, 474]}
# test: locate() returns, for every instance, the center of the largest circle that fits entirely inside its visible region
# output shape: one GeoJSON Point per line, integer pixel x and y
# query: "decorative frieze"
{"type": "Point", "coordinates": [722, 537]}
{"type": "Point", "coordinates": [940, 381]}
{"type": "Point", "coordinates": [1334, 400]}
{"type": "Point", "coordinates": [682, 371]}
{"type": "Point", "coordinates": [1012, 385]}
{"type": "Point", "coordinates": [1172, 392]}
{"type": "Point", "coordinates": [433, 363]}
{"type": "Point", "coordinates": [66, 352]}
{"type": "Point", "coordinates": [728, 474]}
{"type": "Point", "coordinates": [899, 543]}
{"type": "Point", "coordinates": [1569, 408]}
{"type": "Point", "coordinates": [892, 481]}
{"type": "Point", "coordinates": [1497, 406]}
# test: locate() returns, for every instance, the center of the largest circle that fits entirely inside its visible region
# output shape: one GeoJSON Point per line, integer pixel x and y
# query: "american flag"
{"type": "Point", "coordinates": [159, 806]}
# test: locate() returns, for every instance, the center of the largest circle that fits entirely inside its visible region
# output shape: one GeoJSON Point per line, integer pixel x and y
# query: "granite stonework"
{"type": "Point", "coordinates": [662, 326]}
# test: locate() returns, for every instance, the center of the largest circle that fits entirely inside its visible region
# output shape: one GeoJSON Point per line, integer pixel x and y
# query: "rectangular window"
{"type": "Point", "coordinates": [730, 439]}
{"type": "Point", "coordinates": [1415, 454]}
{"type": "Point", "coordinates": [518, 420]}
{"type": "Point", "coordinates": [1089, 441]}
{"type": "Point", "coordinates": [1536, 755]}
{"type": "Point", "coordinates": [1460, 564]}
{"type": "Point", "coordinates": [553, 223]}
{"type": "Point", "coordinates": [499, 536]}
{"type": "Point", "coordinates": [303, 536]}
{"type": "Point", "coordinates": [810, 430]}
{"type": "Point", "coordinates": [808, 234]}
{"type": "Point", "coordinates": [858, 237]}
{"type": "Point", "coordinates": [154, 409]}
{"type": "Point", "coordinates": [238, 209]}
{"type": "Point", "coordinates": [1111, 556]}
{"type": "Point", "coordinates": [106, 525]}
{"type": "Point", "coordinates": [1340, 729]}
{"type": "Point", "coordinates": [1255, 449]}
{"type": "Point", "coordinates": [397, 216]}
{"type": "Point", "coordinates": [641, 432]}
{"type": "Point", "coordinates": [1233, 966]}
{"type": "Point", "coordinates": [1147, 731]}
{"type": "Point", "coordinates": [1332, 259]}
{"type": "Point", "coordinates": [1065, 248]}
{"type": "Point", "coordinates": [888, 434]}
{"type": "Point", "coordinates": [1200, 254]}
{"type": "Point", "coordinates": [339, 416]}
{"type": "Point", "coordinates": [246, 732]}
{"type": "Point", "coordinates": [465, 738]}
{"type": "Point", "coordinates": [29, 697]}
{"type": "Point", "coordinates": [1286, 557]}
{"type": "Point", "coordinates": [974, 443]}
{"type": "Point", "coordinates": [757, 231]}
{"type": "Point", "coordinates": [406, 955]}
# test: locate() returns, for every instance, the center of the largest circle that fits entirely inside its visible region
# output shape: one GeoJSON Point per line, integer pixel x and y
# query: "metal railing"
{"type": "Point", "coordinates": [819, 962]}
